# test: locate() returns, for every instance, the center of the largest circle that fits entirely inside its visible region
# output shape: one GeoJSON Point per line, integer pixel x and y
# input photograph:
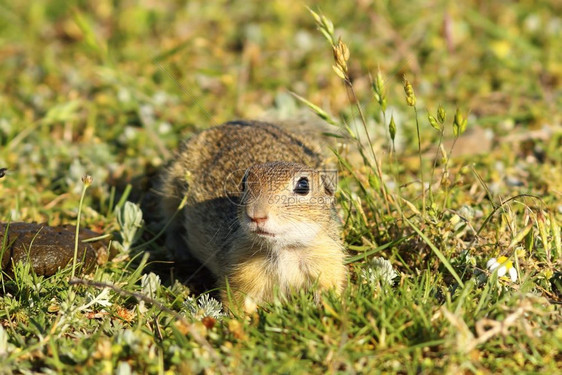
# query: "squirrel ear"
{"type": "Point", "coordinates": [329, 181]}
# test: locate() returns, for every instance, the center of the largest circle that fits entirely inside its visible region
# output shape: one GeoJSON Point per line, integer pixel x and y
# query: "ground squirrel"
{"type": "Point", "coordinates": [259, 211]}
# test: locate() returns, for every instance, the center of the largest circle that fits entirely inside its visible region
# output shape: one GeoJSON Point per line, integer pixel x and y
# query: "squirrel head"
{"type": "Point", "coordinates": [286, 204]}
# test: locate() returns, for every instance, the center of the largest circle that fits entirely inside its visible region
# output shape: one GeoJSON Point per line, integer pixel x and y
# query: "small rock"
{"type": "Point", "coordinates": [48, 248]}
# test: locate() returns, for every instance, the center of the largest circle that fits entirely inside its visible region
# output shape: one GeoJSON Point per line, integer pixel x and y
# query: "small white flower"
{"type": "Point", "coordinates": [504, 266]}
{"type": "Point", "coordinates": [102, 299]}
{"type": "Point", "coordinates": [204, 306]}
{"type": "Point", "coordinates": [150, 283]}
{"type": "Point", "coordinates": [377, 269]}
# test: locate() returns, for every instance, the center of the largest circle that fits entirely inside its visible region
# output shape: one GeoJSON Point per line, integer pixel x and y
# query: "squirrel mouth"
{"type": "Point", "coordinates": [263, 233]}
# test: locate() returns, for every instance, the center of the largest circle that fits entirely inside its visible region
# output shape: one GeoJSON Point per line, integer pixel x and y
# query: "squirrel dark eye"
{"type": "Point", "coordinates": [302, 187]}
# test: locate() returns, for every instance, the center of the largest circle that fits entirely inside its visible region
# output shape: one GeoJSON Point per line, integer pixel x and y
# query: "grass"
{"type": "Point", "coordinates": [109, 89]}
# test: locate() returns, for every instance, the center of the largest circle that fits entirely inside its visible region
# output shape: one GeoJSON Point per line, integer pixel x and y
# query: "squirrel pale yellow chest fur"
{"type": "Point", "coordinates": [259, 211]}
{"type": "Point", "coordinates": [286, 272]}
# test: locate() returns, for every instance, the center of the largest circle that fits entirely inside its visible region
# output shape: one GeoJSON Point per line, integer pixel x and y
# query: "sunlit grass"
{"type": "Point", "coordinates": [110, 90]}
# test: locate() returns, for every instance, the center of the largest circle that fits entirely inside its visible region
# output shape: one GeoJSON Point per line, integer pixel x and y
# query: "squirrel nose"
{"type": "Point", "coordinates": [259, 220]}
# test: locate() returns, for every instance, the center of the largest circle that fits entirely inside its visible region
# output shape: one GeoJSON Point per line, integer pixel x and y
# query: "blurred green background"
{"type": "Point", "coordinates": [110, 88]}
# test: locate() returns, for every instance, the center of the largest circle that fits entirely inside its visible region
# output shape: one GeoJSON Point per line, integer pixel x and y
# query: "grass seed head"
{"type": "Point", "coordinates": [409, 90]}
{"type": "Point", "coordinates": [341, 55]}
{"type": "Point", "coordinates": [459, 123]}
{"type": "Point", "coordinates": [392, 128]}
{"type": "Point", "coordinates": [441, 114]}
{"type": "Point", "coordinates": [378, 90]}
{"type": "Point", "coordinates": [433, 122]}
{"type": "Point", "coordinates": [325, 26]}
